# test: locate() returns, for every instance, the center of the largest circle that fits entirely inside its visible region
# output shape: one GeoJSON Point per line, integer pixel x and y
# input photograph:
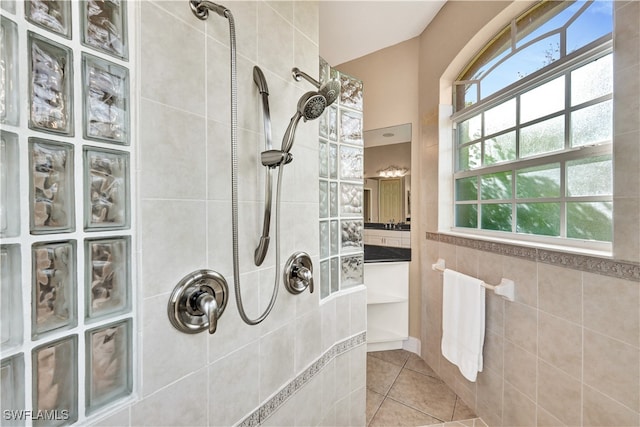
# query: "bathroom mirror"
{"type": "Point", "coordinates": [387, 175]}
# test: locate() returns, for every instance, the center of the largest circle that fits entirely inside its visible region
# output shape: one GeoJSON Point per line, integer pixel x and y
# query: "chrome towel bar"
{"type": "Point", "coordinates": [506, 287]}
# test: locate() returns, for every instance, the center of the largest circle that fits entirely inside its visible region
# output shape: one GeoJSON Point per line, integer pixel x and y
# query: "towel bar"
{"type": "Point", "coordinates": [506, 287]}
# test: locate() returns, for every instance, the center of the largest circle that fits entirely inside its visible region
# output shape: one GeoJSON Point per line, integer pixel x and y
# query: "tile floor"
{"type": "Point", "coordinates": [402, 390]}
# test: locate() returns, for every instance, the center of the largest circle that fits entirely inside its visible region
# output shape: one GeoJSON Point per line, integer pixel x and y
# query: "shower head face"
{"type": "Point", "coordinates": [330, 90]}
{"type": "Point", "coordinates": [312, 105]}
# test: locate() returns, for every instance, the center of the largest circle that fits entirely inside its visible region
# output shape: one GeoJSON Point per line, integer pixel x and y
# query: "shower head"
{"type": "Point", "coordinates": [310, 107]}
{"type": "Point", "coordinates": [330, 90]}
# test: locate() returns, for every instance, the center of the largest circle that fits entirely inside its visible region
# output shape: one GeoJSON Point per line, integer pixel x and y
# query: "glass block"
{"type": "Point", "coordinates": [351, 162]}
{"type": "Point", "coordinates": [335, 237]}
{"type": "Point", "coordinates": [324, 239]}
{"type": "Point", "coordinates": [9, 185]}
{"type": "Point", "coordinates": [323, 159]}
{"type": "Point", "coordinates": [10, 297]}
{"type": "Point", "coordinates": [51, 187]}
{"type": "Point", "coordinates": [324, 70]}
{"type": "Point", "coordinates": [106, 184]}
{"type": "Point", "coordinates": [538, 218]}
{"type": "Point", "coordinates": [592, 125]}
{"type": "Point", "coordinates": [12, 389]}
{"type": "Point", "coordinates": [54, 287]}
{"type": "Point", "coordinates": [55, 381]}
{"type": "Point", "coordinates": [323, 124]}
{"type": "Point", "coordinates": [108, 364]}
{"type": "Point", "coordinates": [106, 100]}
{"type": "Point", "coordinates": [104, 24]}
{"type": "Point", "coordinates": [333, 161]}
{"type": "Point", "coordinates": [590, 221]}
{"type": "Point", "coordinates": [8, 5]}
{"type": "Point", "coordinates": [107, 282]}
{"type": "Point", "coordinates": [543, 137]}
{"type": "Point", "coordinates": [352, 271]}
{"type": "Point", "coordinates": [592, 80]}
{"type": "Point", "coordinates": [590, 177]}
{"type": "Point", "coordinates": [500, 117]}
{"type": "Point", "coordinates": [325, 279]}
{"type": "Point", "coordinates": [545, 99]}
{"type": "Point", "coordinates": [50, 86]}
{"type": "Point", "coordinates": [332, 122]}
{"type": "Point", "coordinates": [496, 216]}
{"type": "Point", "coordinates": [467, 215]}
{"type": "Point", "coordinates": [333, 199]}
{"type": "Point", "coordinates": [54, 15]}
{"type": "Point", "coordinates": [351, 199]}
{"type": "Point", "coordinates": [538, 181]}
{"type": "Point", "coordinates": [9, 84]}
{"type": "Point", "coordinates": [350, 92]}
{"type": "Point", "coordinates": [351, 127]}
{"type": "Point", "coordinates": [335, 274]}
{"type": "Point", "coordinates": [324, 199]}
{"type": "Point", "coordinates": [351, 235]}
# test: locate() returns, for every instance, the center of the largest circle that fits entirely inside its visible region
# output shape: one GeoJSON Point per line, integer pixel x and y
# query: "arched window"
{"type": "Point", "coordinates": [533, 128]}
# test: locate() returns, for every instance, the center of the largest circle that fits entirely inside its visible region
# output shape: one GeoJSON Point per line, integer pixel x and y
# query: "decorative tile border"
{"type": "Point", "coordinates": [626, 270]}
{"type": "Point", "coordinates": [270, 406]}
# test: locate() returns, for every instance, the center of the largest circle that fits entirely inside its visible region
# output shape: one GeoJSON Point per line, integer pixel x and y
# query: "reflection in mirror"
{"type": "Point", "coordinates": [387, 186]}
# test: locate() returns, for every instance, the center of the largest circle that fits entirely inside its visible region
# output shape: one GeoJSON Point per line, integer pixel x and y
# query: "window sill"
{"type": "Point", "coordinates": [590, 251]}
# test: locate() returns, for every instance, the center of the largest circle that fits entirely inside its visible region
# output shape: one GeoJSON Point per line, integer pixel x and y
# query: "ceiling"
{"type": "Point", "coordinates": [351, 29]}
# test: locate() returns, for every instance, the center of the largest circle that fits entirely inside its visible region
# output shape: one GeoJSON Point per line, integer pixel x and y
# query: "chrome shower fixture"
{"type": "Point", "coordinates": [330, 90]}
{"type": "Point", "coordinates": [201, 9]}
{"type": "Point", "coordinates": [310, 107]}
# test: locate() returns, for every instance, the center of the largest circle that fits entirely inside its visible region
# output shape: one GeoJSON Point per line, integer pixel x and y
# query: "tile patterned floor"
{"type": "Point", "coordinates": [402, 390]}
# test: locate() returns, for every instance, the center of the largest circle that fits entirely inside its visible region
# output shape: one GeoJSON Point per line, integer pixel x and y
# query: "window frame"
{"type": "Point", "coordinates": [598, 48]}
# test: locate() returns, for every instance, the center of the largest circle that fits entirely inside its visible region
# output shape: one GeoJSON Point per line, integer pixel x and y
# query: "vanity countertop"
{"type": "Point", "coordinates": [374, 253]}
{"type": "Point", "coordinates": [381, 226]}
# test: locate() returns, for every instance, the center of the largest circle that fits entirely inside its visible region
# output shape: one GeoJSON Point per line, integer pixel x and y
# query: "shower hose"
{"type": "Point", "coordinates": [234, 192]}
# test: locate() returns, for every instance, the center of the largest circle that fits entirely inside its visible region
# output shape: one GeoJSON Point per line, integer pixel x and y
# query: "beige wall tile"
{"type": "Point", "coordinates": [560, 292]}
{"type": "Point", "coordinates": [163, 81]}
{"type": "Point", "coordinates": [612, 307]}
{"type": "Point", "coordinates": [518, 410]}
{"type": "Point", "coordinates": [467, 261]}
{"type": "Point", "coordinates": [545, 419]}
{"type": "Point", "coordinates": [627, 158]}
{"type": "Point", "coordinates": [626, 217]}
{"type": "Point", "coordinates": [613, 368]}
{"type": "Point", "coordinates": [232, 392]}
{"type": "Point", "coordinates": [600, 410]}
{"type": "Point", "coordinates": [524, 274]}
{"type": "Point", "coordinates": [490, 386]}
{"type": "Point", "coordinates": [520, 369]}
{"type": "Point", "coordinates": [172, 242]}
{"type": "Point", "coordinates": [521, 326]}
{"type": "Point", "coordinates": [560, 344]}
{"type": "Point", "coordinates": [494, 311]}
{"type": "Point", "coordinates": [559, 394]}
{"type": "Point", "coordinates": [180, 404]}
{"type": "Point", "coordinates": [490, 267]}
{"type": "Point", "coordinates": [493, 352]}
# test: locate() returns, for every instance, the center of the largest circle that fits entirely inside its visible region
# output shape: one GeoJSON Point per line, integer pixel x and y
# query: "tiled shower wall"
{"type": "Point", "coordinates": [567, 351]}
{"type": "Point", "coordinates": [311, 354]}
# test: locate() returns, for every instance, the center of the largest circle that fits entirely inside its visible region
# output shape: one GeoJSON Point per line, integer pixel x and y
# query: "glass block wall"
{"type": "Point", "coordinates": [341, 181]}
{"type": "Point", "coordinates": [65, 217]}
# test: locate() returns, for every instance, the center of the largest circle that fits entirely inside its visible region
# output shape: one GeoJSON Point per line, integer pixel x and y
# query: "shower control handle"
{"type": "Point", "coordinates": [298, 273]}
{"type": "Point", "coordinates": [198, 301]}
{"type": "Point", "coordinates": [206, 304]}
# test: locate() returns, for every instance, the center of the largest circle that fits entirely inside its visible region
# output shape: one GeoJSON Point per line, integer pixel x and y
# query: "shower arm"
{"type": "Point", "coordinates": [263, 246]}
{"type": "Point", "coordinates": [298, 74]}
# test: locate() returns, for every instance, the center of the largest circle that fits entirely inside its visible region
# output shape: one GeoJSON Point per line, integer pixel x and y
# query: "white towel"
{"type": "Point", "coordinates": [463, 308]}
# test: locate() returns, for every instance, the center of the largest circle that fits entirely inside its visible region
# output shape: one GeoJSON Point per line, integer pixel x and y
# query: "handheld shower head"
{"type": "Point", "coordinates": [310, 107]}
{"type": "Point", "coordinates": [330, 90]}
